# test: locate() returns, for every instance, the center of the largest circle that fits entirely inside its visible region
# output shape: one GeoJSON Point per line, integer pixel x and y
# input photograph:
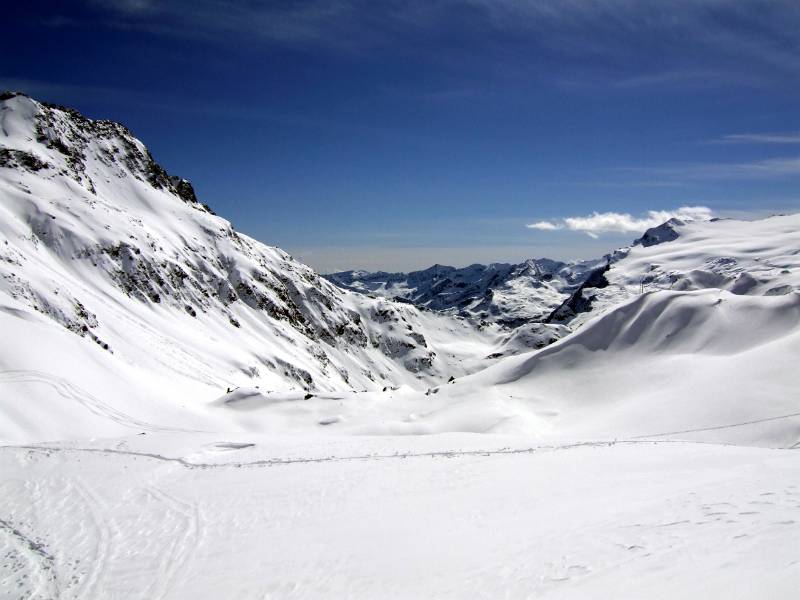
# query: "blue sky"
{"type": "Point", "coordinates": [397, 134]}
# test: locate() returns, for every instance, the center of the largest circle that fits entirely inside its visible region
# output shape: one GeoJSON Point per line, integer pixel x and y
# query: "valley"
{"type": "Point", "coordinates": [190, 413]}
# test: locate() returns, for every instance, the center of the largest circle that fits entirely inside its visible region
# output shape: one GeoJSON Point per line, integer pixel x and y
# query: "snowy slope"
{"type": "Point", "coordinates": [707, 365]}
{"type": "Point", "coordinates": [759, 257]}
{"type": "Point", "coordinates": [368, 450]}
{"type": "Point", "coordinates": [409, 518]}
{"type": "Point", "coordinates": [510, 295]}
{"type": "Point", "coordinates": [99, 241]}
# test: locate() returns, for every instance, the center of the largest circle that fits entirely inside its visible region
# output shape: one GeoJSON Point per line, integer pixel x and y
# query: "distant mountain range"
{"type": "Point", "coordinates": [509, 295]}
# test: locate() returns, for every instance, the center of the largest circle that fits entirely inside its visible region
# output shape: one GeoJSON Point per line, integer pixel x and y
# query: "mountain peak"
{"type": "Point", "coordinates": [102, 241]}
{"type": "Point", "coordinates": [60, 141]}
{"type": "Point", "coordinates": [666, 232]}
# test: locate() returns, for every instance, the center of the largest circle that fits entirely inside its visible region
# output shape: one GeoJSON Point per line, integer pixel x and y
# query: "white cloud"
{"type": "Point", "coordinates": [544, 226]}
{"type": "Point", "coordinates": [612, 222]}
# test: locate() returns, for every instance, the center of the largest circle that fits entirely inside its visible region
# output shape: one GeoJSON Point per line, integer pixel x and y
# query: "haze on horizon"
{"type": "Point", "coordinates": [397, 135]}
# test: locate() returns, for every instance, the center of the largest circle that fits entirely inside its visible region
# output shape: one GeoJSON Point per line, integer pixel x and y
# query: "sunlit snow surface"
{"type": "Point", "coordinates": [397, 518]}
{"type": "Point", "coordinates": [647, 455]}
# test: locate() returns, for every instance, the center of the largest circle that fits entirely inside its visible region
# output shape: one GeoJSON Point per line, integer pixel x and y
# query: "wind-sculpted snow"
{"type": "Point", "coordinates": [707, 365]}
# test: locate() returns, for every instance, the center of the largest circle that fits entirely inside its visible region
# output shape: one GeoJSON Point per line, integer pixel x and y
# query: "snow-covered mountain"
{"type": "Point", "coordinates": [100, 242]}
{"type": "Point", "coordinates": [754, 258]}
{"type": "Point", "coordinates": [134, 289]}
{"type": "Point", "coordinates": [649, 452]}
{"type": "Point", "coordinates": [695, 335]}
{"type": "Point", "coordinates": [507, 294]}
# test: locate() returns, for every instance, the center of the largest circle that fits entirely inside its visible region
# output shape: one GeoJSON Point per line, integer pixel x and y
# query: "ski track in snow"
{"type": "Point", "coordinates": [92, 582]}
{"type": "Point", "coordinates": [729, 426]}
{"type": "Point", "coordinates": [96, 566]}
{"type": "Point", "coordinates": [73, 393]}
{"type": "Point", "coordinates": [188, 521]}
{"type": "Point", "coordinates": [269, 462]}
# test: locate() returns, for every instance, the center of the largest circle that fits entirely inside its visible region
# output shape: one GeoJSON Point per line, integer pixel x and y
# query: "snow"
{"type": "Point", "coordinates": [354, 519]}
{"type": "Point", "coordinates": [257, 432]}
{"type": "Point", "coordinates": [753, 258]}
{"type": "Point", "coordinates": [706, 365]}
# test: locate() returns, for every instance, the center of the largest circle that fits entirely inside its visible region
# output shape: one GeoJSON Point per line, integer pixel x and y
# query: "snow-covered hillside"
{"type": "Point", "coordinates": [757, 258]}
{"type": "Point", "coordinates": [99, 242]}
{"type": "Point", "coordinates": [371, 449]}
{"type": "Point", "coordinates": [510, 295]}
{"type": "Point", "coordinates": [693, 337]}
{"type": "Point", "coordinates": [703, 365]}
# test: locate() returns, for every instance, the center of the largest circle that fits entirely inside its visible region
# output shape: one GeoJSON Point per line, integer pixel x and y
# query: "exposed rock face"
{"type": "Point", "coordinates": [581, 300]}
{"type": "Point", "coordinates": [666, 232]}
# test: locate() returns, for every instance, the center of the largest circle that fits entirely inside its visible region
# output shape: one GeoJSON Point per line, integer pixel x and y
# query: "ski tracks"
{"type": "Point", "coordinates": [92, 562]}
{"type": "Point", "coordinates": [183, 521]}
{"type": "Point", "coordinates": [74, 393]}
{"type": "Point", "coordinates": [187, 522]}
{"type": "Point", "coordinates": [92, 584]}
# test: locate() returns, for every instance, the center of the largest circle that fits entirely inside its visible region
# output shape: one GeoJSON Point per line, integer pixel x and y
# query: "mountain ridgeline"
{"type": "Point", "coordinates": [510, 295]}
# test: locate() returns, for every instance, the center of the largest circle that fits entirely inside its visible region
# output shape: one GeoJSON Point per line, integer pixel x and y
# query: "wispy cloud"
{"type": "Point", "coordinates": [330, 23]}
{"type": "Point", "coordinates": [613, 222]}
{"type": "Point", "coordinates": [770, 168]}
{"type": "Point", "coordinates": [78, 93]}
{"type": "Point", "coordinates": [792, 137]}
{"type": "Point", "coordinates": [688, 78]}
{"type": "Point", "coordinates": [626, 43]}
{"type": "Point", "coordinates": [129, 6]}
